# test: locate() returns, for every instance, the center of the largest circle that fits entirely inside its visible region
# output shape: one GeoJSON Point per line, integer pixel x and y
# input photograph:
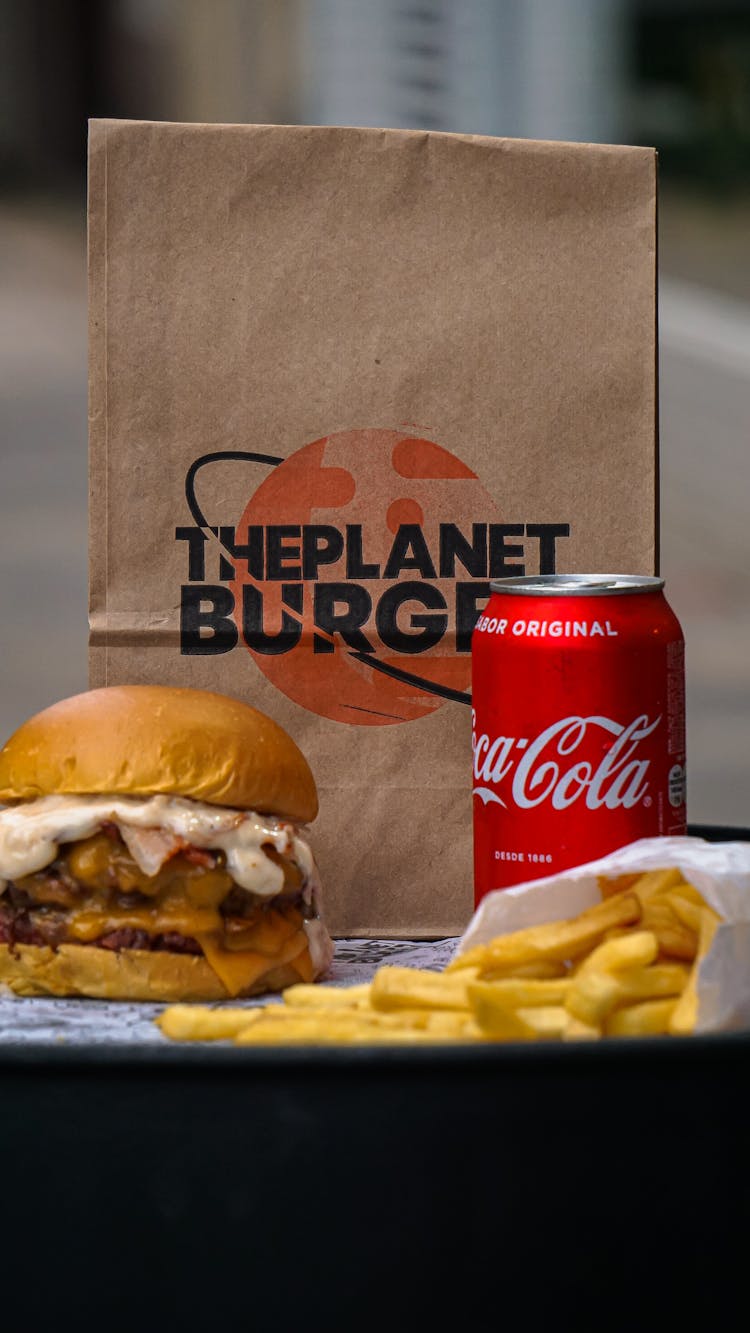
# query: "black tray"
{"type": "Point", "coordinates": [181, 1186]}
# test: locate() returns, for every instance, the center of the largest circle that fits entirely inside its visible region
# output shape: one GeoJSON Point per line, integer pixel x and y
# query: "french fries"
{"type": "Point", "coordinates": [556, 941]}
{"type": "Point", "coordinates": [626, 967]}
{"type": "Point", "coordinates": [412, 988]}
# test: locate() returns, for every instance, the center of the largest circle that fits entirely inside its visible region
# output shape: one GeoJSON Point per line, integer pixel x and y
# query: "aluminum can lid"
{"type": "Point", "coordinates": [578, 585]}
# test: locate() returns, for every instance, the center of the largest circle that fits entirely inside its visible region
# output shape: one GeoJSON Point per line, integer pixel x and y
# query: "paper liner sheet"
{"type": "Point", "coordinates": [39, 1020]}
{"type": "Point", "coordinates": [719, 871]}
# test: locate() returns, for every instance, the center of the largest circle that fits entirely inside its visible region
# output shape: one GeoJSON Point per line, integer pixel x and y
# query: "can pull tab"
{"type": "Point", "coordinates": [589, 583]}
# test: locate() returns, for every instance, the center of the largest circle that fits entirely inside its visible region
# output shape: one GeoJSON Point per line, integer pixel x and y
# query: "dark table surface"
{"type": "Point", "coordinates": [167, 1186]}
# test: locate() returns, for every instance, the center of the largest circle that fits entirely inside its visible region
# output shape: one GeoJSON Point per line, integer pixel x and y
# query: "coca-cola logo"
{"type": "Point", "coordinates": [540, 770]}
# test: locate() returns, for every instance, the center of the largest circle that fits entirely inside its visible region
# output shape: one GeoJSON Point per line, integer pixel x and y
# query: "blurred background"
{"type": "Point", "coordinates": [669, 73]}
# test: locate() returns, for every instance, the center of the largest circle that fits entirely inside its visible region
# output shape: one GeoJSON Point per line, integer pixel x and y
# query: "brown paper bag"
{"type": "Point", "coordinates": [339, 380]}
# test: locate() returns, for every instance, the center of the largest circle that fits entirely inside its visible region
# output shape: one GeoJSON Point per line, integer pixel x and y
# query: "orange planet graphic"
{"type": "Point", "coordinates": [365, 533]}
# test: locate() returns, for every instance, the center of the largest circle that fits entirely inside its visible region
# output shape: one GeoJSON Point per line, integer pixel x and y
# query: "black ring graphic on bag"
{"type": "Point", "coordinates": [444, 691]}
{"type": "Point", "coordinates": [221, 455]}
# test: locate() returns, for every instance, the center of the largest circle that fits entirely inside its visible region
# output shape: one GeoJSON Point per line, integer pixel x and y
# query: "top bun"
{"type": "Point", "coordinates": [145, 740]}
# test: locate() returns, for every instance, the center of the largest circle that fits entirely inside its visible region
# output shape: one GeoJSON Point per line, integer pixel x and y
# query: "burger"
{"type": "Point", "coordinates": [153, 846]}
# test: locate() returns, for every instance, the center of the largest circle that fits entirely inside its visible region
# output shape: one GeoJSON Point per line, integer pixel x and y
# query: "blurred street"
{"type": "Point", "coordinates": [705, 420]}
{"type": "Point", "coordinates": [43, 486]}
{"type": "Point", "coordinates": [705, 415]}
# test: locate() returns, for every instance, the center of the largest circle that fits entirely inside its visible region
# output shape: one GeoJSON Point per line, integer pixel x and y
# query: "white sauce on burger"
{"type": "Point", "coordinates": [152, 827]}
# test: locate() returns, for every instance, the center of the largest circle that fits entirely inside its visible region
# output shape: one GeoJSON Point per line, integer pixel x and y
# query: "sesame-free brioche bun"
{"type": "Point", "coordinates": [146, 740]}
{"type": "Point", "coordinates": [135, 974]}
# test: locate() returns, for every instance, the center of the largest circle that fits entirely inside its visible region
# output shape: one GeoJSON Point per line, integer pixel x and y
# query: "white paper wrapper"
{"type": "Point", "coordinates": [720, 872]}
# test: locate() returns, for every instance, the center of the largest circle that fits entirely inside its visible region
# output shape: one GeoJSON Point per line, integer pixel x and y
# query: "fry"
{"type": "Point", "coordinates": [650, 1018]}
{"type": "Point", "coordinates": [687, 911]}
{"type": "Point", "coordinates": [308, 1029]}
{"type": "Point", "coordinates": [598, 985]}
{"type": "Point", "coordinates": [592, 997]}
{"type": "Point", "coordinates": [617, 884]}
{"type": "Point", "coordinates": [576, 1030]}
{"type": "Point", "coordinates": [303, 1028]}
{"type": "Point", "coordinates": [495, 1023]}
{"type": "Point", "coordinates": [409, 987]}
{"type": "Point", "coordinates": [515, 1008]}
{"type": "Point", "coordinates": [555, 940]}
{"type": "Point", "coordinates": [690, 893]}
{"type": "Point", "coordinates": [520, 992]}
{"type": "Point", "coordinates": [637, 949]}
{"type": "Point", "coordinates": [307, 995]}
{"type": "Point", "coordinates": [648, 983]}
{"type": "Point", "coordinates": [339, 1016]}
{"type": "Point", "coordinates": [549, 1022]}
{"type": "Point", "coordinates": [542, 970]}
{"type": "Point", "coordinates": [500, 1023]}
{"type": "Point", "coordinates": [337, 1027]}
{"type": "Point", "coordinates": [596, 995]}
{"type": "Point", "coordinates": [686, 1010]}
{"type": "Point", "coordinates": [676, 940]}
{"type": "Point", "coordinates": [653, 882]}
{"type": "Point", "coordinates": [449, 1021]}
{"type": "Point", "coordinates": [189, 1022]}
{"type": "Point", "coordinates": [451, 1024]}
{"type": "Point", "coordinates": [330, 1020]}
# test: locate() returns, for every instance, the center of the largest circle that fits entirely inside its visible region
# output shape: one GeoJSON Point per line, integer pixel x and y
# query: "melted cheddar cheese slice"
{"type": "Point", "coordinates": [276, 936]}
{"type": "Point", "coordinates": [239, 970]}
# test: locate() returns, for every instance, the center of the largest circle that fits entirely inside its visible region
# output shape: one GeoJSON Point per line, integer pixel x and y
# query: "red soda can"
{"type": "Point", "coordinates": [578, 723]}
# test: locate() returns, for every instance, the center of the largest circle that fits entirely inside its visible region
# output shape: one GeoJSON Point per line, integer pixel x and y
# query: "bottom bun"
{"type": "Point", "coordinates": [132, 974]}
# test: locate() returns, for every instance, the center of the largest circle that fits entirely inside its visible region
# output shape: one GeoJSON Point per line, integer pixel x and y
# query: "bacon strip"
{"type": "Point", "coordinates": [150, 847]}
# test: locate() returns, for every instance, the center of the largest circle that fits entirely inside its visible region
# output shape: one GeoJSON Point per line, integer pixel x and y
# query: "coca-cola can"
{"type": "Point", "coordinates": [578, 723]}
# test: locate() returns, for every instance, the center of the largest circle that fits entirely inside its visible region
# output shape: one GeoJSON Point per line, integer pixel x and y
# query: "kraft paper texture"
{"type": "Point", "coordinates": [339, 380]}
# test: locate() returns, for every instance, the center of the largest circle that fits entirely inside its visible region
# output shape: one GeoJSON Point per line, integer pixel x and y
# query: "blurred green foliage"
{"type": "Point", "coordinates": [692, 93]}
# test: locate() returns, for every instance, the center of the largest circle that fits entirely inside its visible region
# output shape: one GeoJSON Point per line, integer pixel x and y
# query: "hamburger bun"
{"type": "Point", "coordinates": [147, 740]}
{"type": "Point", "coordinates": [133, 974]}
